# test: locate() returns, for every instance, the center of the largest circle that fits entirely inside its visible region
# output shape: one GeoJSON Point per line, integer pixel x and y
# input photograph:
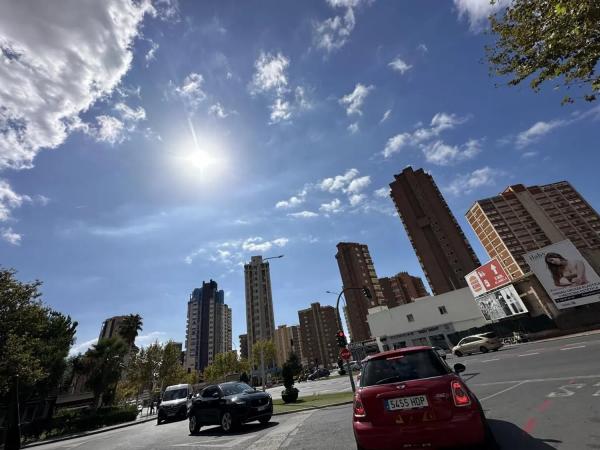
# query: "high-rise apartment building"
{"type": "Point", "coordinates": [357, 270]}
{"type": "Point", "coordinates": [522, 219]}
{"type": "Point", "coordinates": [244, 346]}
{"type": "Point", "coordinates": [260, 321]}
{"type": "Point", "coordinates": [443, 251]}
{"type": "Point", "coordinates": [318, 327]}
{"type": "Point", "coordinates": [208, 326]}
{"type": "Point", "coordinates": [402, 288]}
{"type": "Point", "coordinates": [287, 340]}
{"type": "Point", "coordinates": [111, 327]}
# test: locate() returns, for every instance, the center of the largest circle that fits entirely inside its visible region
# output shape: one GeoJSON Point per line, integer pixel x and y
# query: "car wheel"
{"type": "Point", "coordinates": [194, 424]}
{"type": "Point", "coordinates": [227, 422]}
{"type": "Point", "coordinates": [483, 349]}
{"type": "Point", "coordinates": [458, 353]}
{"type": "Point", "coordinates": [264, 420]}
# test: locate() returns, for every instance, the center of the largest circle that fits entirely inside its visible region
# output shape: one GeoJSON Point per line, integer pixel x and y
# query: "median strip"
{"type": "Point", "coordinates": [312, 402]}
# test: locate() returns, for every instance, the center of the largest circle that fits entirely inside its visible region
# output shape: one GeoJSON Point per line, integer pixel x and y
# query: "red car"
{"type": "Point", "coordinates": [410, 399]}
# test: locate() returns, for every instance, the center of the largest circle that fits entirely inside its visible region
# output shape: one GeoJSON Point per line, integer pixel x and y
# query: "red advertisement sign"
{"type": "Point", "coordinates": [487, 278]}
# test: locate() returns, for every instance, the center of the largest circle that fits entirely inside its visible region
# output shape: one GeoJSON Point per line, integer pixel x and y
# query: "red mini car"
{"type": "Point", "coordinates": [410, 399]}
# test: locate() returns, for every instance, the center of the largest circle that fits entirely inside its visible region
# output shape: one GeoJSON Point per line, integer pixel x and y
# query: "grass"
{"type": "Point", "coordinates": [311, 401]}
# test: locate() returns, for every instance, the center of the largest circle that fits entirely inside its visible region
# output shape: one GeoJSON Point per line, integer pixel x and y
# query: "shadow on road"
{"type": "Point", "coordinates": [511, 437]}
{"type": "Point", "coordinates": [243, 429]}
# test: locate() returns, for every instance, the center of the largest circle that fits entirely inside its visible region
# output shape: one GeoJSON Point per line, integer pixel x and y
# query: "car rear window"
{"type": "Point", "coordinates": [490, 335]}
{"type": "Point", "coordinates": [408, 366]}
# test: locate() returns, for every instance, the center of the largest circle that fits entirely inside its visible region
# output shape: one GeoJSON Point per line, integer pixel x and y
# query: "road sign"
{"type": "Point", "coordinates": [487, 278]}
{"type": "Point", "coordinates": [345, 354]}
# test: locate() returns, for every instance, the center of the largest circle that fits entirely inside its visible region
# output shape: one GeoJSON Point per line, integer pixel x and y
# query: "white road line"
{"type": "Point", "coordinates": [571, 348]}
{"type": "Point", "coordinates": [489, 360]}
{"type": "Point", "coordinates": [530, 354]}
{"type": "Point", "coordinates": [502, 391]}
{"type": "Point", "coordinates": [275, 438]}
{"type": "Point", "coordinates": [539, 380]}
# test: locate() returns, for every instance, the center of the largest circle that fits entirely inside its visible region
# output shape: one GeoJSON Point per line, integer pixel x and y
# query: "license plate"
{"type": "Point", "coordinates": [418, 401]}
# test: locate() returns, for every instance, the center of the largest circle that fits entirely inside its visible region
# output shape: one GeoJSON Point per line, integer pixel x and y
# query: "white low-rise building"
{"type": "Point", "coordinates": [426, 321]}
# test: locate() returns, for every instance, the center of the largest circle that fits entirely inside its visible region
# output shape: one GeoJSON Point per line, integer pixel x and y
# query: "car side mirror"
{"type": "Point", "coordinates": [459, 368]}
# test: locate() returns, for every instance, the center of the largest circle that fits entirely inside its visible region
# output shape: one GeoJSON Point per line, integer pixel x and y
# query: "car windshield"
{"type": "Point", "coordinates": [235, 388]}
{"type": "Point", "coordinates": [175, 394]}
{"type": "Point", "coordinates": [408, 366]}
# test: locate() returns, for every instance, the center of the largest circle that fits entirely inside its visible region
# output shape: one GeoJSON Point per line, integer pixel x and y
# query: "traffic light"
{"type": "Point", "coordinates": [367, 292]}
{"type": "Point", "coordinates": [341, 339]}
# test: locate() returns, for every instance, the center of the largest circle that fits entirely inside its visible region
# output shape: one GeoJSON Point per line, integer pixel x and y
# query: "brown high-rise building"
{"type": "Point", "coordinates": [522, 219]}
{"type": "Point", "coordinates": [357, 270]}
{"type": "Point", "coordinates": [402, 288]}
{"type": "Point", "coordinates": [287, 340]}
{"type": "Point", "coordinates": [111, 327]}
{"type": "Point", "coordinates": [443, 251]}
{"type": "Point", "coordinates": [318, 327]}
{"type": "Point", "coordinates": [244, 346]}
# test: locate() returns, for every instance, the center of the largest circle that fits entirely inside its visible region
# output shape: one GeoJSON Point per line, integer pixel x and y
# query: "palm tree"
{"type": "Point", "coordinates": [103, 364]}
{"type": "Point", "coordinates": [130, 327]}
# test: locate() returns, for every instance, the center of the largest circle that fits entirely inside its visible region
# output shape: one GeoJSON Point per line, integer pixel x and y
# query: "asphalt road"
{"type": "Point", "coordinates": [537, 396]}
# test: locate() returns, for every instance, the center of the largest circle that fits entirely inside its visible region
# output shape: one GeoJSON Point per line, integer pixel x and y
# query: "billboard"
{"type": "Point", "coordinates": [487, 278]}
{"type": "Point", "coordinates": [565, 274]}
{"type": "Point", "coordinates": [500, 304]}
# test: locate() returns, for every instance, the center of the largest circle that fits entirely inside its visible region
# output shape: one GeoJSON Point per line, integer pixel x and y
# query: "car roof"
{"type": "Point", "coordinates": [176, 386]}
{"type": "Point", "coordinates": [397, 352]}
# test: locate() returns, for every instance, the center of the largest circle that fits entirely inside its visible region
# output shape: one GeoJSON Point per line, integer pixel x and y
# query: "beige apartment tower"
{"type": "Point", "coordinates": [357, 270]}
{"type": "Point", "coordinates": [318, 327]}
{"type": "Point", "coordinates": [287, 340]}
{"type": "Point", "coordinates": [443, 251]}
{"type": "Point", "coordinates": [522, 219]}
{"type": "Point", "coordinates": [260, 322]}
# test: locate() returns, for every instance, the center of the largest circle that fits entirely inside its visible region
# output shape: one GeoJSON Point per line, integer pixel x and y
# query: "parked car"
{"type": "Point", "coordinates": [319, 373]}
{"type": "Point", "coordinates": [175, 402]}
{"type": "Point", "coordinates": [477, 343]}
{"type": "Point", "coordinates": [410, 398]}
{"type": "Point", "coordinates": [229, 405]}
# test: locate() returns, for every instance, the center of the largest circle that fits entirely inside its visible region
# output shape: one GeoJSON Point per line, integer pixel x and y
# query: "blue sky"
{"type": "Point", "coordinates": [146, 147]}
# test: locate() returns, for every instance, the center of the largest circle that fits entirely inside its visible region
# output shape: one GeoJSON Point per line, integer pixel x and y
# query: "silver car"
{"type": "Point", "coordinates": [483, 343]}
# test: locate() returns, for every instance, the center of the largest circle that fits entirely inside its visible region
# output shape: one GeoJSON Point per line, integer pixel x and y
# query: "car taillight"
{"type": "Point", "coordinates": [359, 409]}
{"type": "Point", "coordinates": [461, 398]}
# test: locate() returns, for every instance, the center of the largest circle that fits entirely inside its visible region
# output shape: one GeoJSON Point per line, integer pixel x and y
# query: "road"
{"type": "Point", "coordinates": [537, 396]}
{"type": "Point", "coordinates": [322, 386]}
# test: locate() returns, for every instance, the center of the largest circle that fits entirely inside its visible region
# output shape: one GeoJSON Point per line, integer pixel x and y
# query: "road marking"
{"type": "Point", "coordinates": [529, 425]}
{"type": "Point", "coordinates": [490, 360]}
{"type": "Point", "coordinates": [529, 354]}
{"type": "Point", "coordinates": [539, 380]}
{"type": "Point", "coordinates": [572, 348]}
{"type": "Point", "coordinates": [275, 438]}
{"type": "Point", "coordinates": [502, 391]}
{"type": "Point", "coordinates": [564, 391]}
{"type": "Point", "coordinates": [218, 442]}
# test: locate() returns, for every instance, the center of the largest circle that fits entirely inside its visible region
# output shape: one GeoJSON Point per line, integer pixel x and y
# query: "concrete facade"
{"type": "Point", "coordinates": [287, 340]}
{"type": "Point", "coordinates": [443, 251]}
{"type": "Point", "coordinates": [318, 327]}
{"type": "Point", "coordinates": [110, 327]}
{"type": "Point", "coordinates": [244, 346]}
{"type": "Point", "coordinates": [402, 288]}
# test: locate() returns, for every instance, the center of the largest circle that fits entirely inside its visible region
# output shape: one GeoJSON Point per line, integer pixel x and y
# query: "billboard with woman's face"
{"type": "Point", "coordinates": [565, 274]}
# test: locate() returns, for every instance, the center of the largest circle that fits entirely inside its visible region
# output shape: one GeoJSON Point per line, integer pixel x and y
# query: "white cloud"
{"type": "Point", "coordinates": [339, 182]}
{"type": "Point", "coordinates": [144, 340]}
{"type": "Point", "coordinates": [9, 200]}
{"type": "Point", "coordinates": [10, 236]}
{"type": "Point", "coordinates": [110, 130]}
{"type": "Point", "coordinates": [478, 11]}
{"type": "Point", "coordinates": [281, 110]}
{"type": "Point", "coordinates": [439, 122]}
{"type": "Point", "coordinates": [270, 74]}
{"type": "Point", "coordinates": [233, 253]}
{"type": "Point", "coordinates": [356, 199]}
{"type": "Point", "coordinates": [151, 55]}
{"type": "Point", "coordinates": [191, 91]}
{"type": "Point", "coordinates": [465, 184]}
{"type": "Point", "coordinates": [356, 98]}
{"type": "Point", "coordinates": [386, 116]}
{"type": "Point", "coordinates": [293, 201]}
{"type": "Point", "coordinates": [422, 48]}
{"type": "Point", "coordinates": [333, 206]}
{"type": "Point", "coordinates": [353, 127]}
{"type": "Point", "coordinates": [258, 244]}
{"type": "Point", "coordinates": [334, 32]}
{"type": "Point", "coordinates": [60, 67]}
{"type": "Point", "coordinates": [538, 130]}
{"type": "Point", "coordinates": [303, 214]}
{"type": "Point", "coordinates": [167, 10]}
{"type": "Point", "coordinates": [400, 66]}
{"type": "Point", "coordinates": [218, 111]}
{"type": "Point", "coordinates": [358, 184]}
{"type": "Point", "coordinates": [82, 348]}
{"type": "Point", "coordinates": [443, 154]}
{"type": "Point", "coordinates": [130, 114]}
{"type": "Point", "coordinates": [383, 192]}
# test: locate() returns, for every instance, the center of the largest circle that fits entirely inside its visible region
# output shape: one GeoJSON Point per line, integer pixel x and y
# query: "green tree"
{"type": "Point", "coordinates": [224, 364]}
{"type": "Point", "coordinates": [267, 349]}
{"type": "Point", "coordinates": [294, 363]}
{"type": "Point", "coordinates": [130, 327]}
{"type": "Point", "coordinates": [548, 40]}
{"type": "Point", "coordinates": [103, 364]}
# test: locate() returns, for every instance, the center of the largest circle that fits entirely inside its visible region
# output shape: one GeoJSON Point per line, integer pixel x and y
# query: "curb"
{"type": "Point", "coordinates": [88, 433]}
{"type": "Point", "coordinates": [347, 402]}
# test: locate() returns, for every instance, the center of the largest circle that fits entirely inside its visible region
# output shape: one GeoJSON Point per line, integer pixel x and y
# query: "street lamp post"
{"type": "Point", "coordinates": [339, 321]}
{"type": "Point", "coordinates": [262, 348]}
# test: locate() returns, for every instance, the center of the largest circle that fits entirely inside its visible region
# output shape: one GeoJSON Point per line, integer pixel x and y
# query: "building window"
{"type": "Point", "coordinates": [410, 318]}
{"type": "Point", "coordinates": [442, 309]}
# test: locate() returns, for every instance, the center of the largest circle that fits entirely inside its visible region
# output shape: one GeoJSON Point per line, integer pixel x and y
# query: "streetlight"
{"type": "Point", "coordinates": [262, 347]}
